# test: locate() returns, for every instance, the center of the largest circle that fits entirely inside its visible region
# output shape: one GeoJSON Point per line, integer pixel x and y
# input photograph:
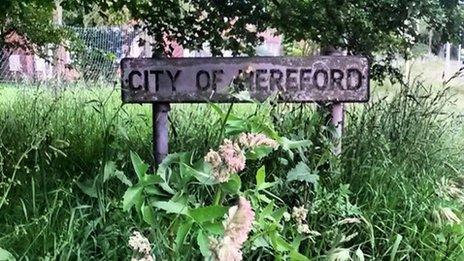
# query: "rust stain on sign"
{"type": "Point", "coordinates": [292, 79]}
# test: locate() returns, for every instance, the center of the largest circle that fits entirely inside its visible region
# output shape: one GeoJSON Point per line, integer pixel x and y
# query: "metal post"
{"type": "Point", "coordinates": [336, 110]}
{"type": "Point", "coordinates": [160, 131]}
{"type": "Point", "coordinates": [430, 42]}
{"type": "Point", "coordinates": [447, 60]}
{"type": "Point", "coordinates": [338, 121]}
{"type": "Point", "coordinates": [459, 53]}
{"type": "Point", "coordinates": [59, 51]}
{"type": "Point", "coordinates": [160, 121]}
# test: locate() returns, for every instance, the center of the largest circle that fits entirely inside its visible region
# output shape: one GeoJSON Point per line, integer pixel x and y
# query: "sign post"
{"type": "Point", "coordinates": [160, 131]}
{"type": "Point", "coordinates": [161, 81]}
{"type": "Point", "coordinates": [338, 121]}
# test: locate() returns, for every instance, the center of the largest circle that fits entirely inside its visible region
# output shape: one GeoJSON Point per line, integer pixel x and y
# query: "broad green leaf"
{"type": "Point", "coordinates": [259, 153]}
{"type": "Point", "coordinates": [278, 214]}
{"type": "Point", "coordinates": [132, 196]}
{"type": "Point", "coordinates": [139, 166]}
{"type": "Point", "coordinates": [279, 243]}
{"type": "Point", "coordinates": [108, 172]}
{"type": "Point", "coordinates": [266, 212]}
{"type": "Point", "coordinates": [153, 190]}
{"type": "Point", "coordinates": [203, 243]}
{"type": "Point", "coordinates": [269, 131]}
{"type": "Point", "coordinates": [207, 213]}
{"type": "Point", "coordinates": [88, 187]}
{"type": "Point", "coordinates": [260, 242]}
{"type": "Point", "coordinates": [302, 172]}
{"type": "Point", "coordinates": [215, 228]}
{"type": "Point", "coordinates": [151, 179]}
{"type": "Point", "coordinates": [164, 169]}
{"type": "Point", "coordinates": [184, 173]}
{"type": "Point", "coordinates": [6, 256]}
{"type": "Point", "coordinates": [235, 126]}
{"type": "Point", "coordinates": [122, 177]}
{"type": "Point", "coordinates": [290, 144]}
{"type": "Point", "coordinates": [266, 185]}
{"type": "Point", "coordinates": [233, 185]}
{"type": "Point", "coordinates": [295, 256]}
{"type": "Point", "coordinates": [202, 172]}
{"type": "Point", "coordinates": [260, 176]}
{"type": "Point", "coordinates": [148, 215]}
{"type": "Point", "coordinates": [260, 179]}
{"type": "Point", "coordinates": [182, 233]}
{"type": "Point", "coordinates": [171, 207]}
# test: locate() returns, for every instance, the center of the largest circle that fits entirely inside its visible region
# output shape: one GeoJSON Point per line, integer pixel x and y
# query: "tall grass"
{"type": "Point", "coordinates": [54, 148]}
{"type": "Point", "coordinates": [395, 154]}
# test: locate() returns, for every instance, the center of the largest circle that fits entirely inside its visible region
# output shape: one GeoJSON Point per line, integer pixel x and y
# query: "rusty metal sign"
{"type": "Point", "coordinates": [290, 79]}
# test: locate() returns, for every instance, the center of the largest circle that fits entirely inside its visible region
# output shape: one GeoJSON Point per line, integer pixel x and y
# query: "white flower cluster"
{"type": "Point", "coordinates": [141, 246]}
{"type": "Point", "coordinates": [299, 214]}
{"type": "Point", "coordinates": [253, 140]}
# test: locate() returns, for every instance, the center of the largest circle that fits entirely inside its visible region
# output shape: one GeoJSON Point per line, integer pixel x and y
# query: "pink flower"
{"type": "Point", "coordinates": [227, 251]}
{"type": "Point", "coordinates": [233, 156]}
{"type": "Point", "coordinates": [239, 221]}
{"type": "Point", "coordinates": [228, 160]}
{"type": "Point", "coordinates": [236, 228]}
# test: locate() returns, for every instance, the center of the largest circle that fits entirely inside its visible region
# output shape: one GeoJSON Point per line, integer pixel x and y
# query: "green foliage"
{"type": "Point", "coordinates": [78, 15]}
{"type": "Point", "coordinates": [186, 205]}
{"type": "Point", "coordinates": [224, 25]}
{"type": "Point", "coordinates": [33, 19]}
{"type": "Point", "coordinates": [302, 172]}
{"type": "Point", "coordinates": [360, 27]}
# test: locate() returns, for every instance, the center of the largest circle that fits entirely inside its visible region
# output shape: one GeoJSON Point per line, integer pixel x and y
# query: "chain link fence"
{"type": "Point", "coordinates": [95, 56]}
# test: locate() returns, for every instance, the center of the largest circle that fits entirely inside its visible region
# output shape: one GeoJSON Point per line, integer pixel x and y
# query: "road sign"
{"type": "Point", "coordinates": [292, 79]}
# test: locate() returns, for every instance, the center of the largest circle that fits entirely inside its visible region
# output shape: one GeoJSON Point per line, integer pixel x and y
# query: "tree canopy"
{"type": "Point", "coordinates": [32, 19]}
{"type": "Point", "coordinates": [379, 29]}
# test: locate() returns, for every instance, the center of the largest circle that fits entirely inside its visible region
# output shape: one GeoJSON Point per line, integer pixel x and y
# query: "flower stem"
{"type": "Point", "coordinates": [224, 121]}
{"type": "Point", "coordinates": [217, 197]}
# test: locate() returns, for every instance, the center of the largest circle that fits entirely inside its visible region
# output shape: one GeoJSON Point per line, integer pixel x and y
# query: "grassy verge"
{"type": "Point", "coordinates": [398, 176]}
